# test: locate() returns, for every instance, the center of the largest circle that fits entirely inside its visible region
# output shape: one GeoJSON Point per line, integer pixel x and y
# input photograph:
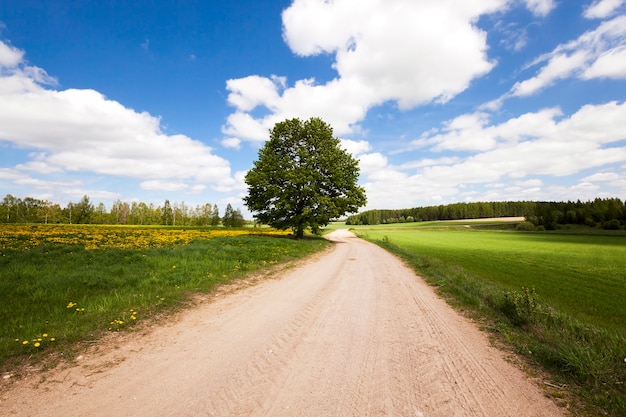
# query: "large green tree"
{"type": "Point", "coordinates": [303, 178]}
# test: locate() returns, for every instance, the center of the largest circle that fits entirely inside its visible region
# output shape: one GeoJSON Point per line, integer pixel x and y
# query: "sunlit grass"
{"type": "Point", "coordinates": [73, 282]}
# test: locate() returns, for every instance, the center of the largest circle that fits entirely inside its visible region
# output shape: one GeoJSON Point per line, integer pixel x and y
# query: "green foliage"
{"type": "Point", "coordinates": [526, 227]}
{"type": "Point", "coordinates": [521, 307]}
{"type": "Point", "coordinates": [611, 213]}
{"type": "Point", "coordinates": [232, 218]}
{"type": "Point", "coordinates": [303, 178]}
{"type": "Point", "coordinates": [457, 211]}
{"type": "Point", "coordinates": [30, 210]}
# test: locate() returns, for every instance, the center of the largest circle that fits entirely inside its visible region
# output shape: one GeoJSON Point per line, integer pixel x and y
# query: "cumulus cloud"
{"type": "Point", "coordinates": [517, 155]}
{"type": "Point", "coordinates": [81, 130]}
{"type": "Point", "coordinates": [407, 52]}
{"type": "Point", "coordinates": [356, 147]}
{"type": "Point", "coordinates": [597, 53]}
{"type": "Point", "coordinates": [232, 143]}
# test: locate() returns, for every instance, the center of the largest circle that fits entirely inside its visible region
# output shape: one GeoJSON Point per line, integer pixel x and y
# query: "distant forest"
{"type": "Point", "coordinates": [32, 210]}
{"type": "Point", "coordinates": [608, 213]}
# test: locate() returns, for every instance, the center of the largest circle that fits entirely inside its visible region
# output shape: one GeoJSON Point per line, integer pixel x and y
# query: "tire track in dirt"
{"type": "Point", "coordinates": [352, 333]}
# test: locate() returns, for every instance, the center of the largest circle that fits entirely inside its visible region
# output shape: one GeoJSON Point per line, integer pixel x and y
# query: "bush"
{"type": "Point", "coordinates": [520, 307]}
{"type": "Point", "coordinates": [611, 225]}
{"type": "Point", "coordinates": [525, 227]}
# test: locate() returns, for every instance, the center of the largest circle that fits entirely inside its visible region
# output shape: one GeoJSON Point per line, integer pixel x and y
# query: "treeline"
{"type": "Point", "coordinates": [457, 211]}
{"type": "Point", "coordinates": [32, 210]}
{"type": "Point", "coordinates": [608, 213]}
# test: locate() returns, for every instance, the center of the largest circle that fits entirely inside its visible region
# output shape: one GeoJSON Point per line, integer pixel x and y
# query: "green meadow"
{"type": "Point", "coordinates": [64, 286]}
{"type": "Point", "coordinates": [582, 275]}
{"type": "Point", "coordinates": [557, 298]}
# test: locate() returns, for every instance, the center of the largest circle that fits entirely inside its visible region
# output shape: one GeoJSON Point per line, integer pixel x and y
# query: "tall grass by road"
{"type": "Point", "coordinates": [558, 299]}
{"type": "Point", "coordinates": [60, 285]}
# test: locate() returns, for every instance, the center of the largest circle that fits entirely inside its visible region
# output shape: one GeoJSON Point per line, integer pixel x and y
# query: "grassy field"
{"type": "Point", "coordinates": [582, 275]}
{"type": "Point", "coordinates": [61, 285]}
{"type": "Point", "coordinates": [557, 298]}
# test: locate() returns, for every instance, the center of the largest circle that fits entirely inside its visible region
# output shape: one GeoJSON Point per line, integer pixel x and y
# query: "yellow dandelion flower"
{"type": "Point", "coordinates": [25, 342]}
{"type": "Point", "coordinates": [37, 344]}
{"type": "Point", "coordinates": [52, 339]}
{"type": "Point", "coordinates": [45, 335]}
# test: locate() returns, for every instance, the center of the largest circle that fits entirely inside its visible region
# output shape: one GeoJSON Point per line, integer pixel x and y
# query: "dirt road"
{"type": "Point", "coordinates": [351, 333]}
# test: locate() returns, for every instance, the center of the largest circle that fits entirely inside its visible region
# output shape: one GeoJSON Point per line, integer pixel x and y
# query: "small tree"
{"type": "Point", "coordinates": [83, 210]}
{"type": "Point", "coordinates": [303, 178]}
{"type": "Point", "coordinates": [215, 216]}
{"type": "Point", "coordinates": [228, 216]}
{"type": "Point", "coordinates": [232, 218]}
{"type": "Point", "coordinates": [237, 219]}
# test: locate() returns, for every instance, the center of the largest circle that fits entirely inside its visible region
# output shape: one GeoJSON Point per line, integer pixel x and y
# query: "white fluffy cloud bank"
{"type": "Point", "coordinates": [406, 52]}
{"type": "Point", "coordinates": [512, 158]}
{"type": "Point", "coordinates": [82, 131]}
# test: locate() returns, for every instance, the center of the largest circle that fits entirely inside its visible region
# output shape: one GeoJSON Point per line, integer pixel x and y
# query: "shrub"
{"type": "Point", "coordinates": [525, 227]}
{"type": "Point", "coordinates": [611, 225]}
{"type": "Point", "coordinates": [520, 307]}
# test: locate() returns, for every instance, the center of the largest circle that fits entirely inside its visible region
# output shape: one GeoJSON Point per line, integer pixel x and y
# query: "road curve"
{"type": "Point", "coordinates": [350, 333]}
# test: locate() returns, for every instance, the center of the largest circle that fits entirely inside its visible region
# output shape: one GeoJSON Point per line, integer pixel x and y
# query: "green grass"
{"type": "Point", "coordinates": [71, 294]}
{"type": "Point", "coordinates": [557, 299]}
{"type": "Point", "coordinates": [582, 275]}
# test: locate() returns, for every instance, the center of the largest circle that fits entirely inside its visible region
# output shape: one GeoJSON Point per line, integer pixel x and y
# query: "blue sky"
{"type": "Point", "coordinates": [441, 101]}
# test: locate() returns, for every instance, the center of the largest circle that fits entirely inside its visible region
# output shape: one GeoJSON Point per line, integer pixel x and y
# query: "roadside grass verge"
{"type": "Point", "coordinates": [557, 300]}
{"type": "Point", "coordinates": [55, 293]}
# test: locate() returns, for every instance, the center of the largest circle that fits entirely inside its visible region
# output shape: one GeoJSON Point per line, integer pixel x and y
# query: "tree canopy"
{"type": "Point", "coordinates": [303, 178]}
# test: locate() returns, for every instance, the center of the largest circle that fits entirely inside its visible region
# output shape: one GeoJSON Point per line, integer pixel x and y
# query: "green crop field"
{"type": "Point", "coordinates": [559, 299]}
{"type": "Point", "coordinates": [582, 275]}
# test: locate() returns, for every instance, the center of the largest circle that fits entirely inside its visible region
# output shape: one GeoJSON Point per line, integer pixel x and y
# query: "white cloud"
{"type": "Point", "coordinates": [10, 56]}
{"type": "Point", "coordinates": [602, 177]}
{"type": "Point", "coordinates": [471, 132]}
{"type": "Point", "coordinates": [252, 91]}
{"type": "Point", "coordinates": [407, 52]}
{"type": "Point", "coordinates": [163, 185]}
{"type": "Point", "coordinates": [232, 143]}
{"type": "Point", "coordinates": [356, 147]}
{"type": "Point", "coordinates": [611, 64]}
{"type": "Point", "coordinates": [540, 7]}
{"type": "Point", "coordinates": [596, 53]}
{"type": "Point", "coordinates": [601, 9]}
{"type": "Point", "coordinates": [81, 130]}
{"type": "Point", "coordinates": [558, 67]}
{"type": "Point", "coordinates": [525, 156]}
{"type": "Point", "coordinates": [372, 163]}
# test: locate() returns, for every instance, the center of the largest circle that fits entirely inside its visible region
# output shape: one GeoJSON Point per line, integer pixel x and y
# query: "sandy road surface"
{"type": "Point", "coordinates": [352, 333]}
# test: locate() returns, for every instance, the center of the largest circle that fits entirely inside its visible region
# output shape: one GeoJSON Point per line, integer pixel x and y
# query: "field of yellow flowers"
{"type": "Point", "coordinates": [24, 237]}
{"type": "Point", "coordinates": [62, 284]}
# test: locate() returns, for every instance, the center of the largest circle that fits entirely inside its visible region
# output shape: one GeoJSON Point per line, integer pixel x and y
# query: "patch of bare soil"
{"type": "Point", "coordinates": [350, 333]}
